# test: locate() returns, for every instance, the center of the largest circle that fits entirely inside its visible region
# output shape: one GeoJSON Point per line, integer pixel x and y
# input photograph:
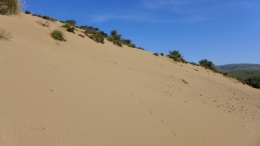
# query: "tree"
{"type": "Point", "coordinates": [207, 64]}
{"type": "Point", "coordinates": [176, 56]}
{"type": "Point", "coordinates": [253, 81]}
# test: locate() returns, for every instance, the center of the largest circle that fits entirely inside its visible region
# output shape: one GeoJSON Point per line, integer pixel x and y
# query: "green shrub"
{"type": "Point", "coordinates": [58, 35]}
{"type": "Point", "coordinates": [176, 56]}
{"type": "Point", "coordinates": [117, 42]}
{"type": "Point", "coordinates": [99, 38]}
{"type": "Point", "coordinates": [208, 65]}
{"type": "Point", "coordinates": [66, 25]}
{"type": "Point", "coordinates": [162, 54]}
{"type": "Point", "coordinates": [11, 7]}
{"type": "Point", "coordinates": [253, 81]}
{"type": "Point", "coordinates": [71, 22]}
{"type": "Point", "coordinates": [140, 48]}
{"type": "Point", "coordinates": [156, 54]}
{"type": "Point", "coordinates": [225, 73]}
{"type": "Point", "coordinates": [88, 31]}
{"type": "Point", "coordinates": [27, 12]}
{"type": "Point", "coordinates": [71, 29]}
{"type": "Point", "coordinates": [131, 45]}
{"type": "Point", "coordinates": [49, 18]}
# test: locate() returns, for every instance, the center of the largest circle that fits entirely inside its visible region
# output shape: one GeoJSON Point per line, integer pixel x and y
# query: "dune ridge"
{"type": "Point", "coordinates": [80, 93]}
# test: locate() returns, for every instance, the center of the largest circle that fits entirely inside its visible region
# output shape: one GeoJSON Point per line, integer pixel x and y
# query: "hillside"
{"type": "Point", "coordinates": [243, 74]}
{"type": "Point", "coordinates": [83, 93]}
{"type": "Point", "coordinates": [242, 66]}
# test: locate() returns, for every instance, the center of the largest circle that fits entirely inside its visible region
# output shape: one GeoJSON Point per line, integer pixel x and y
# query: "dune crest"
{"type": "Point", "coordinates": [80, 92]}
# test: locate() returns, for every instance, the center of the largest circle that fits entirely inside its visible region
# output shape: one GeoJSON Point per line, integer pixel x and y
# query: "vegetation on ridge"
{"type": "Point", "coordinates": [176, 56]}
{"type": "Point", "coordinates": [208, 65]}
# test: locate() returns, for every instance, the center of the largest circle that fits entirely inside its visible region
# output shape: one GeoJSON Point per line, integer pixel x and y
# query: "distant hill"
{"type": "Point", "coordinates": [243, 74]}
{"type": "Point", "coordinates": [240, 71]}
{"type": "Point", "coordinates": [242, 66]}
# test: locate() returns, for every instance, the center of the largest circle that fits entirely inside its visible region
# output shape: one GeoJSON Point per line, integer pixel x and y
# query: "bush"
{"type": "Point", "coordinates": [162, 54]}
{"type": "Point", "coordinates": [58, 35]}
{"type": "Point", "coordinates": [118, 43]}
{"type": "Point", "coordinates": [176, 56]}
{"type": "Point", "coordinates": [253, 81]}
{"type": "Point", "coordinates": [156, 54]}
{"type": "Point", "coordinates": [49, 18]}
{"type": "Point", "coordinates": [4, 35]}
{"type": "Point", "coordinates": [66, 25]}
{"type": "Point", "coordinates": [71, 22]}
{"type": "Point", "coordinates": [71, 29]}
{"type": "Point", "coordinates": [27, 12]}
{"type": "Point", "coordinates": [11, 7]}
{"type": "Point", "coordinates": [88, 31]}
{"type": "Point", "coordinates": [225, 73]}
{"type": "Point", "coordinates": [207, 64]}
{"type": "Point", "coordinates": [140, 48]}
{"type": "Point", "coordinates": [131, 45]}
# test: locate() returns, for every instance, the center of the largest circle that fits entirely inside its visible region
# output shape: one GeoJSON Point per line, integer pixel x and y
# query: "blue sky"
{"type": "Point", "coordinates": [222, 31]}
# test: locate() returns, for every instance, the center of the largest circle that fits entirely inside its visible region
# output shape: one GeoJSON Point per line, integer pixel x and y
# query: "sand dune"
{"type": "Point", "coordinates": [80, 93]}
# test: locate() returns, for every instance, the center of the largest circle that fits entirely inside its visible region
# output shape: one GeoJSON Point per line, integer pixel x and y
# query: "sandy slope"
{"type": "Point", "coordinates": [80, 93]}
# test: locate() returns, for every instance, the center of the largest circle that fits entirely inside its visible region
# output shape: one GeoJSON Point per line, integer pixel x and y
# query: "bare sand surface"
{"type": "Point", "coordinates": [81, 93]}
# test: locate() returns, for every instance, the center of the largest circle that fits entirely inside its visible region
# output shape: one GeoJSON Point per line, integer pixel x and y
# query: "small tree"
{"type": "Point", "coordinates": [253, 81]}
{"type": "Point", "coordinates": [207, 64]}
{"type": "Point", "coordinates": [176, 56]}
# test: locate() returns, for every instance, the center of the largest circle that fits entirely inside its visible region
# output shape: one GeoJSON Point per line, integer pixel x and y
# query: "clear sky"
{"type": "Point", "coordinates": [222, 31]}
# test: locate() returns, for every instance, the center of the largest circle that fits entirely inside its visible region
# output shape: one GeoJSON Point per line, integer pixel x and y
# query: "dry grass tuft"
{"type": "Point", "coordinates": [4, 35]}
{"type": "Point", "coordinates": [12, 7]}
{"type": "Point", "coordinates": [44, 23]}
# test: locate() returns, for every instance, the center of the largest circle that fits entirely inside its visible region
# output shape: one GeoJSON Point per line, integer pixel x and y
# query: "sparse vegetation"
{"type": "Point", "coordinates": [49, 18]}
{"type": "Point", "coordinates": [162, 54]}
{"type": "Point", "coordinates": [44, 23]}
{"type": "Point", "coordinates": [253, 81]}
{"type": "Point", "coordinates": [58, 35]}
{"type": "Point", "coordinates": [176, 56]}
{"type": "Point", "coordinates": [11, 7]}
{"type": "Point", "coordinates": [194, 64]}
{"type": "Point", "coordinates": [4, 35]}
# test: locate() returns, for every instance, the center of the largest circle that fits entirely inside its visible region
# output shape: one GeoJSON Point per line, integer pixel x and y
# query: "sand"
{"type": "Point", "coordinates": [81, 93]}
